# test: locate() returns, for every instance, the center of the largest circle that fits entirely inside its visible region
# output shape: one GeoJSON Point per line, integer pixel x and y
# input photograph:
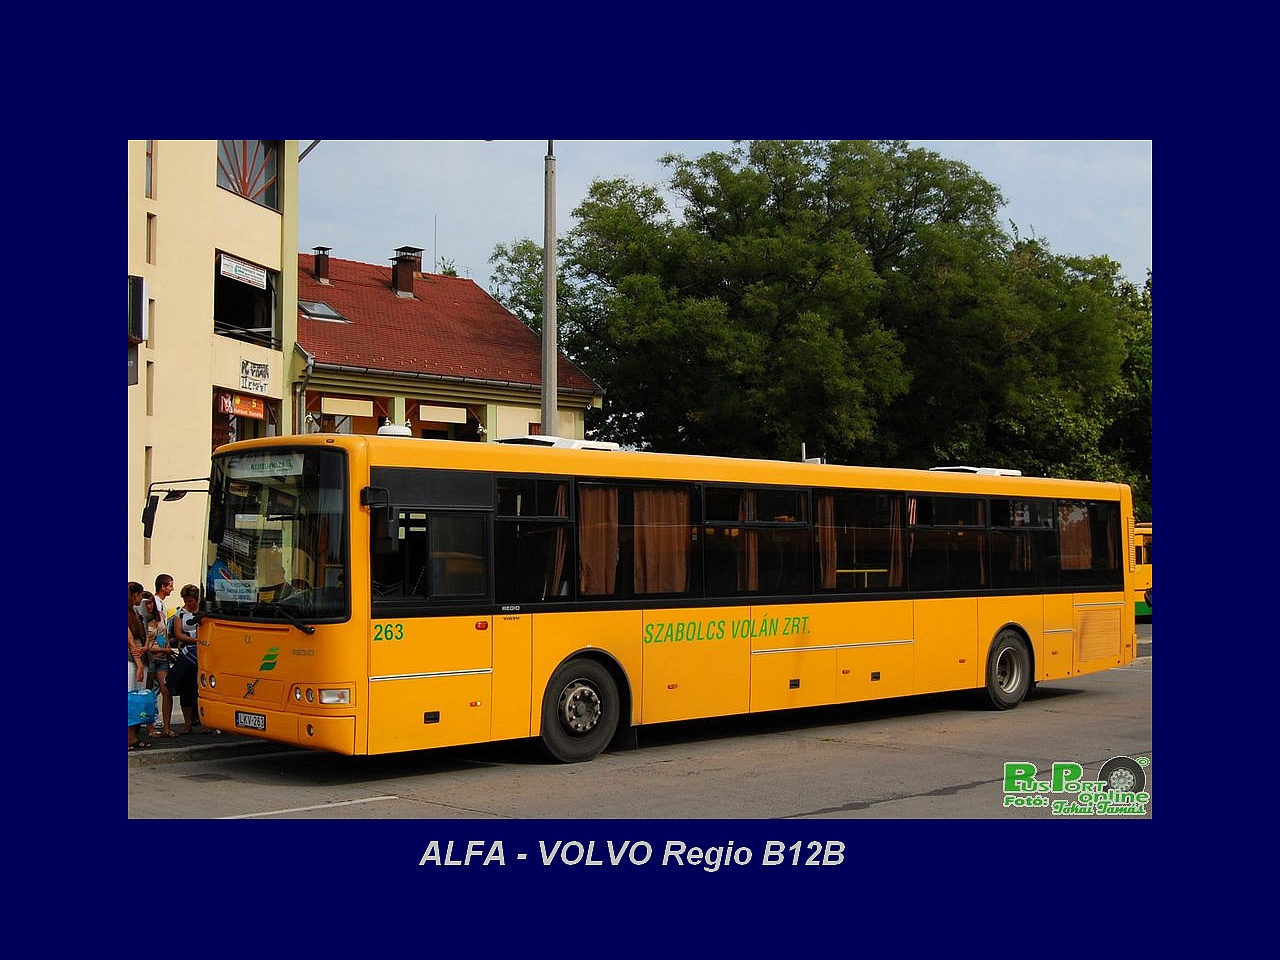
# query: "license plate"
{"type": "Point", "coordinates": [254, 721]}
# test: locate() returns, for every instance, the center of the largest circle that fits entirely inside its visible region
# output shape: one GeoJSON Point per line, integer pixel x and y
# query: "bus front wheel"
{"type": "Point", "coordinates": [580, 711]}
{"type": "Point", "coordinates": [1008, 671]}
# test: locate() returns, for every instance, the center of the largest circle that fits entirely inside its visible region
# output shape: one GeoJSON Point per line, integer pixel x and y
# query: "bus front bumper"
{"type": "Point", "coordinates": [335, 734]}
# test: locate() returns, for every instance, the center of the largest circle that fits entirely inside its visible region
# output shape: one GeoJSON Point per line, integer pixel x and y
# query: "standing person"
{"type": "Point", "coordinates": [183, 676]}
{"type": "Point", "coordinates": [157, 651]}
{"type": "Point", "coordinates": [137, 665]}
{"type": "Point", "coordinates": [164, 587]}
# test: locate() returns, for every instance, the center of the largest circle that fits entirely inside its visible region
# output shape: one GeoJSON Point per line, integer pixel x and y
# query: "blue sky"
{"type": "Point", "coordinates": [457, 199]}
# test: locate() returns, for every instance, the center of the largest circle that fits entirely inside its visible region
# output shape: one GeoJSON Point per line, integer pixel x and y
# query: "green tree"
{"type": "Point", "coordinates": [516, 281]}
{"type": "Point", "coordinates": [859, 297]}
{"type": "Point", "coordinates": [744, 328]}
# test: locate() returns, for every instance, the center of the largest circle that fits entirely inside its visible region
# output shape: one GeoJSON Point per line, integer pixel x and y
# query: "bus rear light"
{"type": "Point", "coordinates": [482, 624]}
{"type": "Point", "coordinates": [335, 696]}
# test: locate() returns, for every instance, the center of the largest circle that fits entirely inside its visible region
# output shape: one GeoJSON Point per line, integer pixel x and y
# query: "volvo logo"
{"type": "Point", "coordinates": [248, 687]}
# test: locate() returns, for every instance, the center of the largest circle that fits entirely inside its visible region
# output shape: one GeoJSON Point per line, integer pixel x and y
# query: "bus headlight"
{"type": "Point", "coordinates": [213, 682]}
{"type": "Point", "coordinates": [311, 695]}
{"type": "Point", "coordinates": [297, 693]}
{"type": "Point", "coordinates": [335, 696]}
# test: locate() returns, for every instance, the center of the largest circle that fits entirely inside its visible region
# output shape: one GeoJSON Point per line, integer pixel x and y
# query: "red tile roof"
{"type": "Point", "coordinates": [450, 327]}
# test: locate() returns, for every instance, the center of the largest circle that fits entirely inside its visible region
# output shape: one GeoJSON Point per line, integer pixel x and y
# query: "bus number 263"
{"type": "Point", "coordinates": [388, 631]}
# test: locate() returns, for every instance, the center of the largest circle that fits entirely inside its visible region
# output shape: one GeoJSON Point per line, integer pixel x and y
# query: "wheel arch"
{"type": "Point", "coordinates": [610, 663]}
{"type": "Point", "coordinates": [1023, 634]}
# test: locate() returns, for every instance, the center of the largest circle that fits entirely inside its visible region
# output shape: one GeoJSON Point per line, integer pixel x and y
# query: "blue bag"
{"type": "Point", "coordinates": [142, 706]}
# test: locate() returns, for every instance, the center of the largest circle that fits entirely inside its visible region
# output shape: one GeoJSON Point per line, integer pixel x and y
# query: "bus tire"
{"type": "Point", "coordinates": [580, 711]}
{"type": "Point", "coordinates": [1008, 671]}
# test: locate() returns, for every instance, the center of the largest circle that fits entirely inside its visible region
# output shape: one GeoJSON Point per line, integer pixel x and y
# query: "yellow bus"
{"type": "Point", "coordinates": [370, 594]}
{"type": "Point", "coordinates": [1142, 572]}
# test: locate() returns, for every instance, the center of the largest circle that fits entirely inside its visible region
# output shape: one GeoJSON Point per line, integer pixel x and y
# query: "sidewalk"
{"type": "Point", "coordinates": [200, 744]}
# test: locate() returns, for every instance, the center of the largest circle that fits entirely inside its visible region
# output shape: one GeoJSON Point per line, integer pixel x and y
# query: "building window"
{"type": "Point", "coordinates": [319, 310]}
{"type": "Point", "coordinates": [249, 168]}
{"type": "Point", "coordinates": [151, 238]}
{"type": "Point", "coordinates": [151, 169]}
{"type": "Point", "coordinates": [244, 301]}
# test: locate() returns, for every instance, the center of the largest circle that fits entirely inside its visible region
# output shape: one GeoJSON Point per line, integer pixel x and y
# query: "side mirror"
{"type": "Point", "coordinates": [385, 525]}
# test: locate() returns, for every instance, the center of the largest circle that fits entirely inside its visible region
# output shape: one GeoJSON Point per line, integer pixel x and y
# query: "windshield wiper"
{"type": "Point", "coordinates": [292, 618]}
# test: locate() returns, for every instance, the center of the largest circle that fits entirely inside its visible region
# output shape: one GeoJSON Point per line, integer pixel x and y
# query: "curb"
{"type": "Point", "coordinates": [209, 751]}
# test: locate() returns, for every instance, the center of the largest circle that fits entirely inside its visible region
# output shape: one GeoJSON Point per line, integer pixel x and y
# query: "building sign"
{"type": "Point", "coordinates": [239, 406]}
{"type": "Point", "coordinates": [254, 377]}
{"type": "Point", "coordinates": [244, 272]}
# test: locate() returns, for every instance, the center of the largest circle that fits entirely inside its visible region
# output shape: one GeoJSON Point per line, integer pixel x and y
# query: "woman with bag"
{"type": "Point", "coordinates": [182, 676]}
{"type": "Point", "coordinates": [137, 665]}
{"type": "Point", "coordinates": [157, 651]}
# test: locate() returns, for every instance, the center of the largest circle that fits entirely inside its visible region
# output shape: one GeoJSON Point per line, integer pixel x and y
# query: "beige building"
{"type": "Point", "coordinates": [222, 345]}
{"type": "Point", "coordinates": [213, 227]}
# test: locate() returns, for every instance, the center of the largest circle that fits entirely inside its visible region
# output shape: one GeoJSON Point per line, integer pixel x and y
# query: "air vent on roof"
{"type": "Point", "coordinates": [984, 471]}
{"type": "Point", "coordinates": [545, 440]}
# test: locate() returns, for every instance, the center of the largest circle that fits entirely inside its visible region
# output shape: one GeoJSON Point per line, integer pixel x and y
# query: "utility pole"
{"type": "Point", "coordinates": [549, 351]}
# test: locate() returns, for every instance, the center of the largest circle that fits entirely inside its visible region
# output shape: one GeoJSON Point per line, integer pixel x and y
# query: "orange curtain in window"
{"type": "Point", "coordinates": [1020, 554]}
{"type": "Point", "coordinates": [1074, 536]}
{"type": "Point", "coordinates": [827, 541]}
{"type": "Point", "coordinates": [597, 540]}
{"type": "Point", "coordinates": [749, 547]}
{"type": "Point", "coordinates": [555, 575]}
{"type": "Point", "coordinates": [897, 561]}
{"type": "Point", "coordinates": [663, 541]}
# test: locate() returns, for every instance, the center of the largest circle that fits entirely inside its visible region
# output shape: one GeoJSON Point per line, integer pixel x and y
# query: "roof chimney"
{"type": "Point", "coordinates": [322, 263]}
{"type": "Point", "coordinates": [406, 261]}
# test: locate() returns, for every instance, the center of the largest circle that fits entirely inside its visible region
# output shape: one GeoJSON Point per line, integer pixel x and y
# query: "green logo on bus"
{"type": "Point", "coordinates": [269, 659]}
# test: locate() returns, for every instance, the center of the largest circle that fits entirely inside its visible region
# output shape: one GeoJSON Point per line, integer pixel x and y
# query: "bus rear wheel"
{"type": "Point", "coordinates": [1008, 671]}
{"type": "Point", "coordinates": [580, 711]}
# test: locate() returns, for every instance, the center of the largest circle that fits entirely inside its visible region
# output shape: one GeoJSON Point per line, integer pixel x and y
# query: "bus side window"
{"type": "Point", "coordinates": [532, 541]}
{"type": "Point", "coordinates": [459, 567]}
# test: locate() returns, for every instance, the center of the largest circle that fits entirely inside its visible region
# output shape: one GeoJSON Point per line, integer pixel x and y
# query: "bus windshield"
{"type": "Point", "coordinates": [277, 544]}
